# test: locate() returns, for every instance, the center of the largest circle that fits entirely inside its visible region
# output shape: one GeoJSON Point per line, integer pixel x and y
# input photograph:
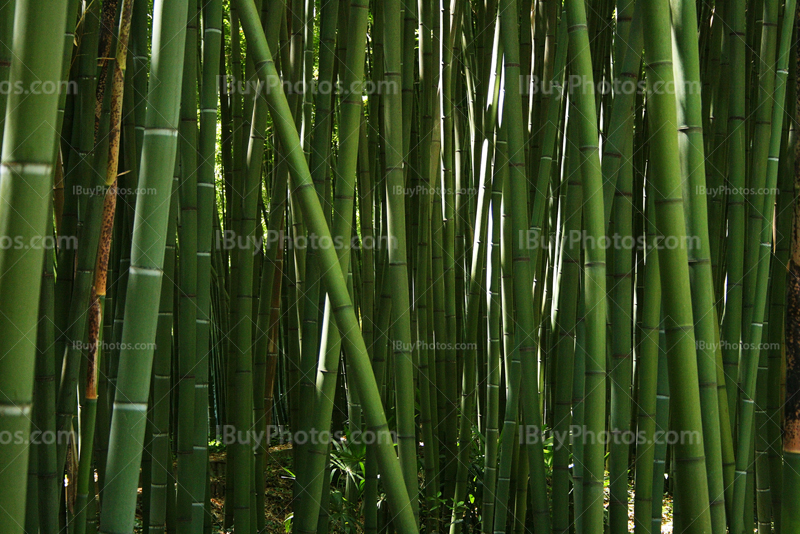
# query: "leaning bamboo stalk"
{"type": "Point", "coordinates": [349, 127]}
{"type": "Point", "coordinates": [320, 169]}
{"type": "Point", "coordinates": [334, 279]}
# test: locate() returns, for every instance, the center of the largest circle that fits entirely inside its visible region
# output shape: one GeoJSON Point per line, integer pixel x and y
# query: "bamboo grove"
{"type": "Point", "coordinates": [496, 266]}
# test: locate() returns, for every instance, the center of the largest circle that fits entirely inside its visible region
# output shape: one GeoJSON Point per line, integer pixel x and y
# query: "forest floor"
{"type": "Point", "coordinates": [278, 505]}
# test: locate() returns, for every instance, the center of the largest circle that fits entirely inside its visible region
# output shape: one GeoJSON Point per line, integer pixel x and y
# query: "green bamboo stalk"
{"type": "Point", "coordinates": [147, 258]}
{"type": "Point", "coordinates": [28, 162]}
{"type": "Point", "coordinates": [692, 485]}
{"type": "Point", "coordinates": [422, 277]}
{"type": "Point", "coordinates": [45, 394]}
{"type": "Point", "coordinates": [648, 381]}
{"type": "Point", "coordinates": [578, 408]}
{"type": "Point", "coordinates": [159, 406]}
{"type": "Point", "coordinates": [86, 492]}
{"type": "Point", "coordinates": [690, 121]}
{"type": "Point", "coordinates": [186, 342]}
{"type": "Point", "coordinates": [6, 38]}
{"type": "Point", "coordinates": [476, 287]}
{"type": "Point", "coordinates": [264, 365]}
{"type": "Point", "coordinates": [212, 38]}
{"type": "Point", "coordinates": [349, 126]}
{"type": "Point", "coordinates": [346, 320]}
{"type": "Point", "coordinates": [493, 360]}
{"type": "Point", "coordinates": [662, 426]}
{"type": "Point", "coordinates": [450, 379]}
{"type": "Point", "coordinates": [566, 318]}
{"type": "Point", "coordinates": [73, 287]}
{"type": "Point", "coordinates": [620, 314]}
{"type": "Point", "coordinates": [511, 351]}
{"type": "Point", "coordinates": [619, 130]}
{"type": "Point", "coordinates": [757, 254]}
{"type": "Point", "coordinates": [243, 381]}
{"type": "Point", "coordinates": [777, 297]}
{"type": "Point", "coordinates": [320, 165]}
{"type": "Point", "coordinates": [594, 276]}
{"type": "Point", "coordinates": [759, 153]}
{"type": "Point", "coordinates": [522, 272]}
{"type": "Point", "coordinates": [790, 516]}
{"type": "Point", "coordinates": [732, 320]}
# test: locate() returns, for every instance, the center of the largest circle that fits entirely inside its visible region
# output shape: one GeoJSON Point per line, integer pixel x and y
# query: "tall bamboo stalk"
{"type": "Point", "coordinates": [27, 169]}
{"type": "Point", "coordinates": [692, 485]}
{"type": "Point", "coordinates": [147, 258]}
